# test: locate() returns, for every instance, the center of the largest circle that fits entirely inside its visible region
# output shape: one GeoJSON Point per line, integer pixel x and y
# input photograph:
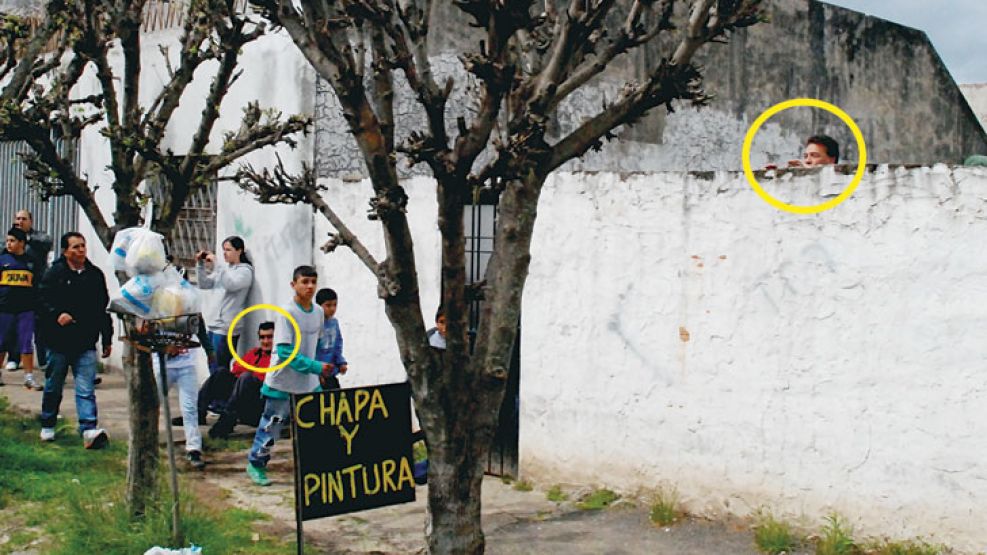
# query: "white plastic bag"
{"type": "Point", "coordinates": [121, 245]}
{"type": "Point", "coordinates": [146, 254]}
{"type": "Point", "coordinates": [191, 550]}
{"type": "Point", "coordinates": [136, 295]}
{"type": "Point", "coordinates": [174, 296]}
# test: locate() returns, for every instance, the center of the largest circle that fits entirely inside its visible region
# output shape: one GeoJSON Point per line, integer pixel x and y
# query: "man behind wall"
{"type": "Point", "coordinates": [820, 150]}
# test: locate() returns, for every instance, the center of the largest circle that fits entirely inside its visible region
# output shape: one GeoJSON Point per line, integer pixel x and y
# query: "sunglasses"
{"type": "Point", "coordinates": [267, 336]}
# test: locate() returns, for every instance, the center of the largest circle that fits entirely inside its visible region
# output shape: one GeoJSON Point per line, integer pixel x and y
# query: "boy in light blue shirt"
{"type": "Point", "coordinates": [330, 348]}
{"type": "Point", "coordinates": [301, 375]}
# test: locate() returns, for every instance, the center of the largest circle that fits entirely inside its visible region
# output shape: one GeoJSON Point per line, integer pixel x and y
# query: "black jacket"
{"type": "Point", "coordinates": [82, 295]}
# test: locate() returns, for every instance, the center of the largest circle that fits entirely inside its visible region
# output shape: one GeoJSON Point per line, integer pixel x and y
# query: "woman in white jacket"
{"type": "Point", "coordinates": [234, 278]}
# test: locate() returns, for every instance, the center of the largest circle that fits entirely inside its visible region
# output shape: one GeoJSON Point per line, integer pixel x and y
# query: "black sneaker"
{"type": "Point", "coordinates": [179, 421]}
{"type": "Point", "coordinates": [195, 459]}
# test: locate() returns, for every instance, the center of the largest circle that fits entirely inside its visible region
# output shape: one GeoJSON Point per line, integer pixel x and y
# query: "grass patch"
{"type": "Point", "coordinates": [774, 536]}
{"type": "Point", "coordinates": [506, 480]}
{"type": "Point", "coordinates": [598, 499]}
{"type": "Point", "coordinates": [74, 498]}
{"type": "Point", "coordinates": [556, 495]}
{"type": "Point", "coordinates": [523, 485]}
{"type": "Point", "coordinates": [225, 444]}
{"type": "Point", "coordinates": [836, 537]}
{"type": "Point", "coordinates": [665, 508]}
{"type": "Point", "coordinates": [909, 547]}
{"type": "Point", "coordinates": [419, 451]}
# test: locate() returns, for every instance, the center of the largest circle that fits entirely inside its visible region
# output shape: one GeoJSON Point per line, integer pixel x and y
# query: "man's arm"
{"type": "Point", "coordinates": [47, 290]}
{"type": "Point", "coordinates": [104, 319]}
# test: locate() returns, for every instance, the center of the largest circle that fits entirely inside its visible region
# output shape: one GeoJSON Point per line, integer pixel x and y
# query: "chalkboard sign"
{"type": "Point", "coordinates": [352, 450]}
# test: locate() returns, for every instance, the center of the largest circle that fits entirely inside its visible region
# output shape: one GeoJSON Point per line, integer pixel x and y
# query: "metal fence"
{"type": "Point", "coordinates": [54, 217]}
{"type": "Point", "coordinates": [480, 222]}
{"type": "Point", "coordinates": [195, 228]}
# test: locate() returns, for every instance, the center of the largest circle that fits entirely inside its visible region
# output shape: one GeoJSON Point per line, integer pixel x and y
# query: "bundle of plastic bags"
{"type": "Point", "coordinates": [155, 289]}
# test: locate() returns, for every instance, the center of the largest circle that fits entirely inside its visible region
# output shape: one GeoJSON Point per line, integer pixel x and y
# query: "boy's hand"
{"type": "Point", "coordinates": [343, 368]}
{"type": "Point", "coordinates": [327, 369]}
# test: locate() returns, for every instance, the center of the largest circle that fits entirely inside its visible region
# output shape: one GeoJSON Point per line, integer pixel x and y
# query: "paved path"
{"type": "Point", "coordinates": [515, 522]}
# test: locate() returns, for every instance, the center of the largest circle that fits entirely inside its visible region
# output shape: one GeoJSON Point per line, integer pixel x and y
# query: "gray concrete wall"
{"type": "Point", "coordinates": [887, 77]}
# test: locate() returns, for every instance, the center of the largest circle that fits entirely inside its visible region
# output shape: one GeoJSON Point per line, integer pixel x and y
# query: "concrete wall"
{"type": "Point", "coordinates": [677, 330]}
{"type": "Point", "coordinates": [888, 77]}
{"type": "Point", "coordinates": [976, 96]}
{"type": "Point", "coordinates": [280, 237]}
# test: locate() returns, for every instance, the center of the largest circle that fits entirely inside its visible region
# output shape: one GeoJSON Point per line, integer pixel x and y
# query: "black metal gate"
{"type": "Point", "coordinates": [55, 216]}
{"type": "Point", "coordinates": [480, 219]}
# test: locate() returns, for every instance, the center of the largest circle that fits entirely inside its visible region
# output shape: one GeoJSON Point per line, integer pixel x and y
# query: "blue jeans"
{"type": "Point", "coordinates": [222, 350]}
{"type": "Point", "coordinates": [84, 372]}
{"type": "Point", "coordinates": [188, 386]}
{"type": "Point", "coordinates": [276, 412]}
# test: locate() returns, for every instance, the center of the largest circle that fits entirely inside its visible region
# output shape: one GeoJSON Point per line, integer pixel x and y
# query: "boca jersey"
{"type": "Point", "coordinates": [17, 291]}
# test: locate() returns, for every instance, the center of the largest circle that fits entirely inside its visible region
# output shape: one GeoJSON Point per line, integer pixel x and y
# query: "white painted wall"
{"type": "Point", "coordinates": [678, 330]}
{"type": "Point", "coordinates": [369, 341]}
{"type": "Point", "coordinates": [280, 237]}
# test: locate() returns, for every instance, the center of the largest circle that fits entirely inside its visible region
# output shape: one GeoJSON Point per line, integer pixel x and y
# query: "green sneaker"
{"type": "Point", "coordinates": [258, 475]}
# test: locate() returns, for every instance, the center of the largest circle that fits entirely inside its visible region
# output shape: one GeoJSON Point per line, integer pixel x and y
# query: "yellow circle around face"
{"type": "Point", "coordinates": [812, 103]}
{"type": "Point", "coordinates": [279, 310]}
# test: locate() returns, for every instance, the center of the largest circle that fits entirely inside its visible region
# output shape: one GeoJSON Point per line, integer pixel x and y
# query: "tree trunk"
{"type": "Point", "coordinates": [454, 479]}
{"type": "Point", "coordinates": [142, 463]}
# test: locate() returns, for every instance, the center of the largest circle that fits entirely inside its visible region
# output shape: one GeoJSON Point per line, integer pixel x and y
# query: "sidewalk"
{"type": "Point", "coordinates": [515, 522]}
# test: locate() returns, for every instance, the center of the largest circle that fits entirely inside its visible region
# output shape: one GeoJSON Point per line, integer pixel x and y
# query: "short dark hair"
{"type": "Point", "coordinates": [17, 233]}
{"type": "Point", "coordinates": [441, 311]}
{"type": "Point", "coordinates": [65, 238]}
{"type": "Point", "coordinates": [265, 326]}
{"type": "Point", "coordinates": [304, 271]}
{"type": "Point", "coordinates": [832, 147]}
{"type": "Point", "coordinates": [324, 295]}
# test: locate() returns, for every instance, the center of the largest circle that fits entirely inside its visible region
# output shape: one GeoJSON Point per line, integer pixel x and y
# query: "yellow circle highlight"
{"type": "Point", "coordinates": [279, 310]}
{"type": "Point", "coordinates": [812, 103]}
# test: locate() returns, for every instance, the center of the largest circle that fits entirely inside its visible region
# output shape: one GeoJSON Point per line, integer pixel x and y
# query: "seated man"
{"type": "Point", "coordinates": [245, 403]}
{"type": "Point", "coordinates": [820, 150]}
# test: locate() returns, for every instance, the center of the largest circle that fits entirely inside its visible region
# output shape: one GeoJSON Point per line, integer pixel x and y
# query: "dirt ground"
{"type": "Point", "coordinates": [515, 522]}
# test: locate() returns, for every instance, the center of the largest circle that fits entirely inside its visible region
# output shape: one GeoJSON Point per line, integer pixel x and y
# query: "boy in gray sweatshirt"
{"type": "Point", "coordinates": [301, 375]}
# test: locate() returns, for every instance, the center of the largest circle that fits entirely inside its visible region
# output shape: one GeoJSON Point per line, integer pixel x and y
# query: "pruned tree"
{"type": "Point", "coordinates": [73, 40]}
{"type": "Point", "coordinates": [529, 59]}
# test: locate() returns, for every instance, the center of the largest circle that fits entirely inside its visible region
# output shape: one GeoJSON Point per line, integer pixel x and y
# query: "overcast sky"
{"type": "Point", "coordinates": [955, 27]}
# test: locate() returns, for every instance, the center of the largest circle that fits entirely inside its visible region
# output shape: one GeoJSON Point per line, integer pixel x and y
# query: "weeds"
{"type": "Point", "coordinates": [909, 547]}
{"type": "Point", "coordinates": [836, 537]}
{"type": "Point", "coordinates": [523, 485]}
{"type": "Point", "coordinates": [774, 536]}
{"type": "Point", "coordinates": [556, 495]}
{"type": "Point", "coordinates": [598, 499]}
{"type": "Point", "coordinates": [665, 507]}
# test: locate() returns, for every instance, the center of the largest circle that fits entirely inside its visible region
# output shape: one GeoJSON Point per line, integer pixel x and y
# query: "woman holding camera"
{"type": "Point", "coordinates": [234, 277]}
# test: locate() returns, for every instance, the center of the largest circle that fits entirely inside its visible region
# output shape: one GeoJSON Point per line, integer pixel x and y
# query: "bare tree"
{"type": "Point", "coordinates": [42, 65]}
{"type": "Point", "coordinates": [530, 58]}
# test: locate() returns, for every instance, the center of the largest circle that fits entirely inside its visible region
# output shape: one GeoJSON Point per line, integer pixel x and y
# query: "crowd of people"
{"type": "Point", "coordinates": [59, 316]}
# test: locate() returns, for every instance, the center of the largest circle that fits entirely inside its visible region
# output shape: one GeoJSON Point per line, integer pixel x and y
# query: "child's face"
{"type": "Point", "coordinates": [440, 324]}
{"type": "Point", "coordinates": [329, 307]}
{"type": "Point", "coordinates": [304, 287]}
